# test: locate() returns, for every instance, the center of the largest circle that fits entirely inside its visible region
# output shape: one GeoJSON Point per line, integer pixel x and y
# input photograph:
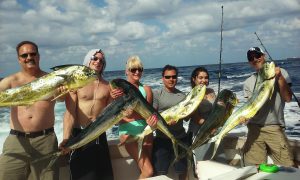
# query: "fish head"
{"type": "Point", "coordinates": [126, 86]}
{"type": "Point", "coordinates": [78, 76]}
{"type": "Point", "coordinates": [267, 71]}
{"type": "Point", "coordinates": [121, 83]}
{"type": "Point", "coordinates": [227, 97]}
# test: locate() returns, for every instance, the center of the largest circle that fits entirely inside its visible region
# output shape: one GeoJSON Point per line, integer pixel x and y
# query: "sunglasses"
{"type": "Point", "coordinates": [133, 70]}
{"type": "Point", "coordinates": [254, 55]}
{"type": "Point", "coordinates": [173, 77]}
{"type": "Point", "coordinates": [24, 56]}
{"type": "Point", "coordinates": [94, 58]}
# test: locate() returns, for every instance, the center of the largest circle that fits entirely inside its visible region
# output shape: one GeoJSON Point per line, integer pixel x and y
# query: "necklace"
{"type": "Point", "coordinates": [94, 97]}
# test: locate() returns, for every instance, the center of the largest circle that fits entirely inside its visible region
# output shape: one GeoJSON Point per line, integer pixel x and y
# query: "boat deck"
{"type": "Point", "coordinates": [227, 160]}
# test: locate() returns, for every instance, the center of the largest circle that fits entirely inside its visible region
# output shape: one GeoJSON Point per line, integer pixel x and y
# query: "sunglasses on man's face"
{"type": "Point", "coordinates": [173, 77]}
{"type": "Point", "coordinates": [254, 55]}
{"type": "Point", "coordinates": [133, 70]}
{"type": "Point", "coordinates": [24, 56]}
{"type": "Point", "coordinates": [94, 58]}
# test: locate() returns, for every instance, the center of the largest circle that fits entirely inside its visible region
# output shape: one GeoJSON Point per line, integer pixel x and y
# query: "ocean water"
{"type": "Point", "coordinates": [232, 78]}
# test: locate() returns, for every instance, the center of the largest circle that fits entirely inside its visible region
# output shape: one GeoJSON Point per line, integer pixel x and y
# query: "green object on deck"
{"type": "Point", "coordinates": [271, 168]}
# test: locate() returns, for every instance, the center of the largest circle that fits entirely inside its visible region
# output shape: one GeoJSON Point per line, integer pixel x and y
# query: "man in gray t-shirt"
{"type": "Point", "coordinates": [266, 134]}
{"type": "Point", "coordinates": [163, 99]}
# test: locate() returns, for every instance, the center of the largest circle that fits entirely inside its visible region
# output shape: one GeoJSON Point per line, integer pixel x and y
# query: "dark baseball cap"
{"type": "Point", "coordinates": [254, 52]}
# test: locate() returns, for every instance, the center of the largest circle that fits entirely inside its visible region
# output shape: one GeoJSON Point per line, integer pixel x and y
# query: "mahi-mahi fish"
{"type": "Point", "coordinates": [70, 76]}
{"type": "Point", "coordinates": [262, 92]}
{"type": "Point", "coordinates": [146, 110]}
{"type": "Point", "coordinates": [186, 106]}
{"type": "Point", "coordinates": [178, 112]}
{"type": "Point", "coordinates": [111, 115]}
{"type": "Point", "coordinates": [221, 110]}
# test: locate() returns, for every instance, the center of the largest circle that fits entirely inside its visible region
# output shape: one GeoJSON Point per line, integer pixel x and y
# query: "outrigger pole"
{"type": "Point", "coordinates": [220, 61]}
{"type": "Point", "coordinates": [295, 97]}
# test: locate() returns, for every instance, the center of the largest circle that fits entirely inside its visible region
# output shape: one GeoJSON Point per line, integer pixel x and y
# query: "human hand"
{"type": "Point", "coordinates": [152, 121]}
{"type": "Point", "coordinates": [61, 90]}
{"type": "Point", "coordinates": [117, 92]}
{"type": "Point", "coordinates": [278, 72]}
{"type": "Point", "coordinates": [172, 122]}
{"type": "Point", "coordinates": [128, 112]}
{"type": "Point", "coordinates": [62, 148]}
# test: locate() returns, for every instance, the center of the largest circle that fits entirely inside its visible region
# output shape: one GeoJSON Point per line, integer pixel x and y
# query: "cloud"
{"type": "Point", "coordinates": [155, 29]}
{"type": "Point", "coordinates": [134, 31]}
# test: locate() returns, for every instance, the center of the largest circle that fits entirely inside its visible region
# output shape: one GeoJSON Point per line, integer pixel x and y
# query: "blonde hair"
{"type": "Point", "coordinates": [133, 62]}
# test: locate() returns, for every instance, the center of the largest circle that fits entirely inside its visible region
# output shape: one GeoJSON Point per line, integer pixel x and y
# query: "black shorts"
{"type": "Point", "coordinates": [92, 161]}
{"type": "Point", "coordinates": [163, 156]}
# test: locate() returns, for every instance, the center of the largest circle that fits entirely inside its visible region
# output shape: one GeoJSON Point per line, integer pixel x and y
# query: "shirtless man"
{"type": "Point", "coordinates": [32, 134]}
{"type": "Point", "coordinates": [91, 161]}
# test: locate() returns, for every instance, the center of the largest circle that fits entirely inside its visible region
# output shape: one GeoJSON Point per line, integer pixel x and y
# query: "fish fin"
{"type": "Point", "coordinates": [204, 152]}
{"type": "Point", "coordinates": [271, 93]}
{"type": "Point", "coordinates": [52, 156]}
{"type": "Point", "coordinates": [62, 76]}
{"type": "Point", "coordinates": [63, 66]}
{"type": "Point", "coordinates": [60, 95]}
{"type": "Point", "coordinates": [52, 161]}
{"type": "Point", "coordinates": [193, 161]}
{"type": "Point", "coordinates": [188, 152]}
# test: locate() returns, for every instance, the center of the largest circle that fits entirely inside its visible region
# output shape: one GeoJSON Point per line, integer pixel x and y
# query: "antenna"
{"type": "Point", "coordinates": [220, 61]}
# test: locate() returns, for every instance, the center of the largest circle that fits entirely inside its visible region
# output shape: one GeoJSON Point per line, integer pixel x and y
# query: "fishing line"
{"type": "Point", "coordinates": [295, 97]}
{"type": "Point", "coordinates": [220, 61]}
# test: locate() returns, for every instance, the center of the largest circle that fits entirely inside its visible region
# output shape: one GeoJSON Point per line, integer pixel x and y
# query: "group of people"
{"type": "Point", "coordinates": [32, 134]}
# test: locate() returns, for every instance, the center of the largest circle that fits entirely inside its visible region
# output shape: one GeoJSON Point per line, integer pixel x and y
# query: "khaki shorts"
{"type": "Point", "coordinates": [19, 152]}
{"type": "Point", "coordinates": [267, 140]}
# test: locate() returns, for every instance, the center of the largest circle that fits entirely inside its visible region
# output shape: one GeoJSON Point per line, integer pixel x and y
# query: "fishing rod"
{"type": "Point", "coordinates": [295, 97]}
{"type": "Point", "coordinates": [220, 61]}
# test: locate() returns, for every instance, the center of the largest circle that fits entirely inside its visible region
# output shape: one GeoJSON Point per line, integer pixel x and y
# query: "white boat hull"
{"type": "Point", "coordinates": [226, 161]}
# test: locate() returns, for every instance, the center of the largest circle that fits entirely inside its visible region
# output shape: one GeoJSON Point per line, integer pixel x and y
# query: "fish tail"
{"type": "Point", "coordinates": [213, 139]}
{"type": "Point", "coordinates": [187, 152]}
{"type": "Point", "coordinates": [140, 146]}
{"type": "Point", "coordinates": [217, 143]}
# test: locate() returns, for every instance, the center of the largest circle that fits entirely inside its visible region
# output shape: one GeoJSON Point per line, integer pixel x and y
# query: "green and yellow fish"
{"type": "Point", "coordinates": [185, 107]}
{"type": "Point", "coordinates": [111, 115]}
{"type": "Point", "coordinates": [221, 110]}
{"type": "Point", "coordinates": [146, 110]}
{"type": "Point", "coordinates": [262, 92]}
{"type": "Point", "coordinates": [70, 76]}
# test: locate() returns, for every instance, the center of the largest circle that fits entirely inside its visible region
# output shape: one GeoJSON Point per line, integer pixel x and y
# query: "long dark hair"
{"type": "Point", "coordinates": [195, 74]}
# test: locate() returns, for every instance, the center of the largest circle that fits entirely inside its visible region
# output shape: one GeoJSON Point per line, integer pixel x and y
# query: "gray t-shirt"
{"type": "Point", "coordinates": [272, 111]}
{"type": "Point", "coordinates": [163, 100]}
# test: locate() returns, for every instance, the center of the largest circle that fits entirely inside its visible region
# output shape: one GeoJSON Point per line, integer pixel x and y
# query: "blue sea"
{"type": "Point", "coordinates": [232, 78]}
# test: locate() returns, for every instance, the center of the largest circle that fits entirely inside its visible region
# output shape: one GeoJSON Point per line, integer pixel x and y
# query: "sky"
{"type": "Point", "coordinates": [176, 32]}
